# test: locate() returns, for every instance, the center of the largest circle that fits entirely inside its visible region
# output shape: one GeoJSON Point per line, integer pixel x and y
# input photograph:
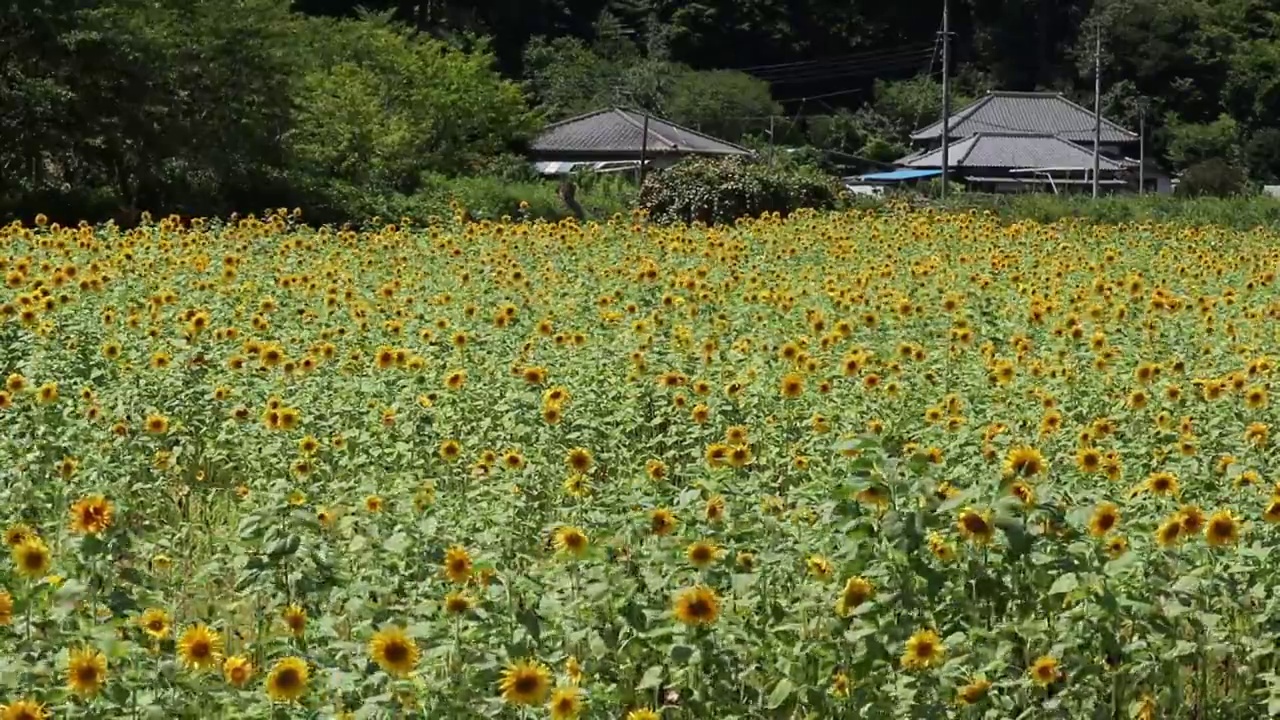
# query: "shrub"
{"type": "Point", "coordinates": [723, 190]}
{"type": "Point", "coordinates": [1214, 177]}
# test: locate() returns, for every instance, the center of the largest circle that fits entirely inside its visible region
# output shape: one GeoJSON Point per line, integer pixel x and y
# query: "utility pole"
{"type": "Point", "coordinates": [1097, 101]}
{"type": "Point", "coordinates": [946, 93]}
{"type": "Point", "coordinates": [1142, 146]}
{"type": "Point", "coordinates": [644, 148]}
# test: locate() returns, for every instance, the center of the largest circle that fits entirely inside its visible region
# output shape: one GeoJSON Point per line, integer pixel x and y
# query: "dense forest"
{"type": "Point", "coordinates": [348, 109]}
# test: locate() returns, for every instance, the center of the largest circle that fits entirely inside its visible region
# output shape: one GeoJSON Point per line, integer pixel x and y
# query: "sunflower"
{"type": "Point", "coordinates": [1024, 492]}
{"type": "Point", "coordinates": [1106, 517]}
{"type": "Point", "coordinates": [23, 710]}
{"type": "Point", "coordinates": [1163, 483]}
{"type": "Point", "coordinates": [1222, 529]}
{"type": "Point", "coordinates": [287, 680]}
{"type": "Point", "coordinates": [157, 424]}
{"type": "Point", "coordinates": [717, 455]}
{"type": "Point", "coordinates": [91, 515]}
{"type": "Point", "coordinates": [697, 605]}
{"type": "Point", "coordinates": [746, 560]}
{"type": "Point", "coordinates": [373, 504]}
{"type": "Point", "coordinates": [923, 649]}
{"type": "Point", "coordinates": [394, 651]}
{"type": "Point", "coordinates": [655, 469]}
{"type": "Point", "coordinates": [155, 622]}
{"type": "Point", "coordinates": [457, 564]}
{"type": "Point", "coordinates": [941, 548]}
{"type": "Point", "coordinates": [31, 557]}
{"type": "Point", "coordinates": [973, 692]}
{"type": "Point", "coordinates": [715, 509]}
{"type": "Point", "coordinates": [237, 670]}
{"type": "Point", "coordinates": [1044, 671]}
{"type": "Point", "coordinates": [661, 521]}
{"type": "Point", "coordinates": [1089, 460]}
{"type": "Point", "coordinates": [17, 534]}
{"type": "Point", "coordinates": [819, 567]}
{"type": "Point", "coordinates": [456, 603]}
{"type": "Point", "coordinates": [579, 460]}
{"type": "Point", "coordinates": [1255, 397]}
{"type": "Point", "coordinates": [512, 460]}
{"type": "Point", "coordinates": [295, 618]}
{"type": "Point", "coordinates": [791, 385]}
{"type": "Point", "coordinates": [86, 671]}
{"type": "Point", "coordinates": [571, 541]}
{"type": "Point", "coordinates": [1272, 512]}
{"type": "Point", "coordinates": [525, 683]}
{"type": "Point", "coordinates": [199, 647]}
{"type": "Point", "coordinates": [736, 435]}
{"type": "Point", "coordinates": [565, 703]}
{"type": "Point", "coordinates": [740, 456]}
{"type": "Point", "coordinates": [1169, 532]}
{"type": "Point", "coordinates": [643, 714]}
{"type": "Point", "coordinates": [839, 685]}
{"type": "Point", "coordinates": [702, 554]}
{"type": "Point", "coordinates": [857, 590]}
{"type": "Point", "coordinates": [450, 450]}
{"type": "Point", "coordinates": [1116, 546]}
{"type": "Point", "coordinates": [6, 608]}
{"type": "Point", "coordinates": [1024, 461]}
{"type": "Point", "coordinates": [975, 525]}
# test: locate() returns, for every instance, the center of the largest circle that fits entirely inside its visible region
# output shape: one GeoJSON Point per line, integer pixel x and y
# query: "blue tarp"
{"type": "Point", "coordinates": [902, 175]}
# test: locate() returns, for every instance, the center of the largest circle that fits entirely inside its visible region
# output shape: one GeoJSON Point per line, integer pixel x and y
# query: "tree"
{"type": "Point", "coordinates": [1193, 143]}
{"type": "Point", "coordinates": [722, 103]}
{"type": "Point", "coordinates": [1262, 155]}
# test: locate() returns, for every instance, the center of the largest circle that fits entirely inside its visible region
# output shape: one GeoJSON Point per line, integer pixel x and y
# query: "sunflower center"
{"type": "Point", "coordinates": [86, 674]}
{"type": "Point", "coordinates": [288, 679]}
{"type": "Point", "coordinates": [526, 684]}
{"type": "Point", "coordinates": [199, 649]}
{"type": "Point", "coordinates": [396, 652]}
{"type": "Point", "coordinates": [699, 608]}
{"type": "Point", "coordinates": [924, 649]}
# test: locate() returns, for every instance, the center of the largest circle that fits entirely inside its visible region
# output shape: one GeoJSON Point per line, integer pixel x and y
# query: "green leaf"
{"type": "Point", "coordinates": [652, 678]}
{"type": "Point", "coordinates": [780, 693]}
{"type": "Point", "coordinates": [1064, 584]}
{"type": "Point", "coordinates": [681, 653]}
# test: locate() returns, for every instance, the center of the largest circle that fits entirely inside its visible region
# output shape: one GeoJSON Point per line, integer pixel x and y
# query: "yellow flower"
{"type": "Point", "coordinates": [155, 622]}
{"type": "Point", "coordinates": [697, 605]}
{"type": "Point", "coordinates": [579, 460]}
{"type": "Point", "coordinates": [1222, 529]}
{"type": "Point", "coordinates": [295, 618]}
{"type": "Point", "coordinates": [457, 564]}
{"type": "Point", "coordinates": [1106, 517]}
{"type": "Point", "coordinates": [86, 671]}
{"type": "Point", "coordinates": [237, 670]}
{"type": "Point", "coordinates": [701, 554]}
{"type": "Point", "coordinates": [924, 649]}
{"type": "Point", "coordinates": [91, 515]}
{"type": "Point", "coordinates": [6, 608]}
{"type": "Point", "coordinates": [199, 647]}
{"type": "Point", "coordinates": [973, 692]}
{"type": "Point", "coordinates": [1024, 461]}
{"type": "Point", "coordinates": [565, 703]}
{"type": "Point", "coordinates": [975, 525]}
{"type": "Point", "coordinates": [571, 541]}
{"type": "Point", "coordinates": [23, 710]}
{"type": "Point", "coordinates": [394, 651]}
{"type": "Point", "coordinates": [287, 680]}
{"type": "Point", "coordinates": [525, 683]}
{"type": "Point", "coordinates": [1044, 671]}
{"type": "Point", "coordinates": [31, 557]}
{"type": "Point", "coordinates": [857, 590]}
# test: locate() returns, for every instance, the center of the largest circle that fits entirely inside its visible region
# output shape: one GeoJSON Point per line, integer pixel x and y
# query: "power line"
{"type": "Point", "coordinates": [864, 71]}
{"type": "Point", "coordinates": [835, 59]}
{"type": "Point", "coordinates": [845, 65]}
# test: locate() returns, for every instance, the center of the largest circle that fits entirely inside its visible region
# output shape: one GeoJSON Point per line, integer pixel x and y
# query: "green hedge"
{"type": "Point", "coordinates": [722, 190]}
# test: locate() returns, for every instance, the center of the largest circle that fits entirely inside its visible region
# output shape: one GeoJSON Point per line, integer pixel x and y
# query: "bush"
{"type": "Point", "coordinates": [722, 190]}
{"type": "Point", "coordinates": [1214, 177]}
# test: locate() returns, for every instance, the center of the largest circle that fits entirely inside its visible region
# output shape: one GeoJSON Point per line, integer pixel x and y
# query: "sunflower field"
{"type": "Point", "coordinates": [891, 465]}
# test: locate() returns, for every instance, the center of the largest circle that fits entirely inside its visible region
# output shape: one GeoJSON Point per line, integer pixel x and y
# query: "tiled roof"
{"type": "Point", "coordinates": [1026, 112]}
{"type": "Point", "coordinates": [614, 131]}
{"type": "Point", "coordinates": [1012, 150]}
